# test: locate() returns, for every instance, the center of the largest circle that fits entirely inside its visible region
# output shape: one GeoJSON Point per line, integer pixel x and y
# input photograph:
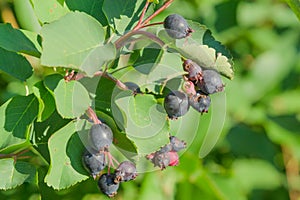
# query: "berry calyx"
{"type": "Point", "coordinates": [126, 171]}
{"type": "Point", "coordinates": [200, 102]}
{"type": "Point", "coordinates": [176, 104]}
{"type": "Point", "coordinates": [177, 27]}
{"type": "Point", "coordinates": [177, 144]}
{"type": "Point", "coordinates": [107, 185]}
{"type": "Point", "coordinates": [194, 70]}
{"type": "Point", "coordinates": [100, 137]}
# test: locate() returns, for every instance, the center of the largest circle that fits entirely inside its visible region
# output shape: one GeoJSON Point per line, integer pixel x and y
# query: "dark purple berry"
{"type": "Point", "coordinates": [194, 70]}
{"type": "Point", "coordinates": [176, 104]}
{"type": "Point", "coordinates": [200, 102]}
{"type": "Point", "coordinates": [161, 160]}
{"type": "Point", "coordinates": [177, 144]}
{"type": "Point", "coordinates": [176, 26]}
{"type": "Point", "coordinates": [166, 148]}
{"type": "Point", "coordinates": [100, 137]}
{"type": "Point", "coordinates": [94, 162]}
{"type": "Point", "coordinates": [211, 82]}
{"type": "Point", "coordinates": [107, 185]}
{"type": "Point", "coordinates": [126, 171]}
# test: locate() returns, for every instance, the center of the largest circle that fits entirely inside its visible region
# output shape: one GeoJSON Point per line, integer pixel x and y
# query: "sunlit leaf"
{"type": "Point", "coordinates": [71, 98]}
{"type": "Point", "coordinates": [65, 159]}
{"type": "Point", "coordinates": [15, 174]}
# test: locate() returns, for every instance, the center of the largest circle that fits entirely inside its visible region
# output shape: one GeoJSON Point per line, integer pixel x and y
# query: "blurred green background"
{"type": "Point", "coordinates": [258, 154]}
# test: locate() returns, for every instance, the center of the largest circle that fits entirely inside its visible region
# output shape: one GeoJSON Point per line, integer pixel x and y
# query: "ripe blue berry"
{"type": "Point", "coordinates": [107, 185]}
{"type": "Point", "coordinates": [126, 171]}
{"type": "Point", "coordinates": [176, 104]}
{"type": "Point", "coordinates": [194, 70]}
{"type": "Point", "coordinates": [211, 82]}
{"type": "Point", "coordinates": [177, 144]}
{"type": "Point", "coordinates": [100, 137]}
{"type": "Point", "coordinates": [200, 102]}
{"type": "Point", "coordinates": [94, 162]}
{"type": "Point", "coordinates": [176, 26]}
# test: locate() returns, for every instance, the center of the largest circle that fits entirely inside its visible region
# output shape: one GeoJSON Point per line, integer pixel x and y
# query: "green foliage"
{"type": "Point", "coordinates": [75, 55]}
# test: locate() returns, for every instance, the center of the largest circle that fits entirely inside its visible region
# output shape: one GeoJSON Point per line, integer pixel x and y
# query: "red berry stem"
{"type": "Point", "coordinates": [152, 24]}
{"type": "Point", "coordinates": [166, 5]}
{"type": "Point", "coordinates": [15, 156]}
{"type": "Point", "coordinates": [92, 115]}
{"type": "Point", "coordinates": [142, 16]}
{"type": "Point", "coordinates": [123, 40]}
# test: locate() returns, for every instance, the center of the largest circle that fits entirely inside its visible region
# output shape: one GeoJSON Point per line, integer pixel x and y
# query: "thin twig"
{"type": "Point", "coordinates": [123, 40]}
{"type": "Point", "coordinates": [152, 24]}
{"type": "Point", "coordinates": [142, 16]}
{"type": "Point", "coordinates": [14, 155]}
{"type": "Point", "coordinates": [92, 115]}
{"type": "Point", "coordinates": [166, 5]}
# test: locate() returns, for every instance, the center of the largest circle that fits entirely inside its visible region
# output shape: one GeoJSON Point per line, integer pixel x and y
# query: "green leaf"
{"type": "Point", "coordinates": [148, 59]}
{"type": "Point", "coordinates": [46, 101]}
{"type": "Point", "coordinates": [91, 7]}
{"type": "Point", "coordinates": [20, 113]}
{"type": "Point", "coordinates": [71, 98]}
{"type": "Point", "coordinates": [15, 64]}
{"type": "Point", "coordinates": [206, 57]}
{"type": "Point", "coordinates": [104, 93]}
{"type": "Point", "coordinates": [254, 173]}
{"type": "Point", "coordinates": [124, 14]}
{"type": "Point", "coordinates": [210, 41]}
{"type": "Point", "coordinates": [52, 81]}
{"type": "Point", "coordinates": [97, 58]}
{"type": "Point", "coordinates": [146, 123]}
{"type": "Point", "coordinates": [48, 10]}
{"type": "Point", "coordinates": [14, 174]}
{"type": "Point", "coordinates": [69, 41]}
{"type": "Point", "coordinates": [64, 155]}
{"type": "Point", "coordinates": [43, 131]}
{"type": "Point", "coordinates": [124, 144]}
{"type": "Point", "coordinates": [7, 139]}
{"type": "Point", "coordinates": [26, 16]}
{"type": "Point", "coordinates": [295, 6]}
{"type": "Point", "coordinates": [14, 40]}
{"type": "Point", "coordinates": [154, 76]}
{"type": "Point", "coordinates": [217, 120]}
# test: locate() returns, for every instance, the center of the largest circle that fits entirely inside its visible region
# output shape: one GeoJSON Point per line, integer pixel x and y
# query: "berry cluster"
{"type": "Point", "coordinates": [168, 154]}
{"type": "Point", "coordinates": [199, 82]}
{"type": "Point", "coordinates": [100, 138]}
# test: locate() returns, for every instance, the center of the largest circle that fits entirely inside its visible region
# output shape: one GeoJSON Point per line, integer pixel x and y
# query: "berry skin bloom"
{"type": "Point", "coordinates": [176, 26]}
{"type": "Point", "coordinates": [100, 137]}
{"type": "Point", "coordinates": [176, 104]}
{"type": "Point", "coordinates": [94, 162]}
{"type": "Point", "coordinates": [211, 82]}
{"type": "Point", "coordinates": [126, 171]}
